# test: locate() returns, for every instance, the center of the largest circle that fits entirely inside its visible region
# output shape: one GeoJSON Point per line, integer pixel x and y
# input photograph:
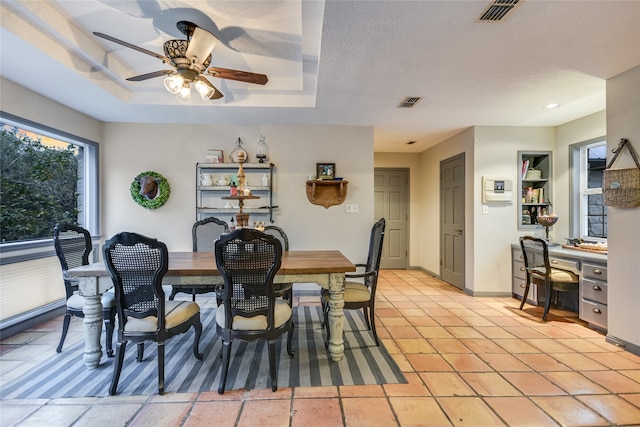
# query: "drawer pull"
{"type": "Point", "coordinates": [596, 271]}
{"type": "Point", "coordinates": [521, 256]}
{"type": "Point", "coordinates": [522, 285]}
{"type": "Point", "coordinates": [596, 288]}
{"type": "Point", "coordinates": [597, 310]}
{"type": "Point", "coordinates": [521, 268]}
{"type": "Point", "coordinates": [553, 261]}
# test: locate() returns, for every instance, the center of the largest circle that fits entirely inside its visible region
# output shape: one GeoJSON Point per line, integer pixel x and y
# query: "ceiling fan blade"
{"type": "Point", "coordinates": [150, 75]}
{"type": "Point", "coordinates": [241, 76]}
{"type": "Point", "coordinates": [200, 45]}
{"type": "Point", "coordinates": [216, 94]}
{"type": "Point", "coordinates": [131, 46]}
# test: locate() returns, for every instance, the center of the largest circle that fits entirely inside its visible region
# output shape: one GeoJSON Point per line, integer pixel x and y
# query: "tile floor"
{"type": "Point", "coordinates": [469, 361]}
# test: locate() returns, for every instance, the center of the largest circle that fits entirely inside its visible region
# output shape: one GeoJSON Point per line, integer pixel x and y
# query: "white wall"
{"type": "Point", "coordinates": [496, 154]}
{"type": "Point", "coordinates": [623, 121]}
{"type": "Point", "coordinates": [173, 151]}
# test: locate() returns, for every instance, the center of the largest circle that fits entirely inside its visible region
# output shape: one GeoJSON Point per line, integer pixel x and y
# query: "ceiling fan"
{"type": "Point", "coordinates": [190, 59]}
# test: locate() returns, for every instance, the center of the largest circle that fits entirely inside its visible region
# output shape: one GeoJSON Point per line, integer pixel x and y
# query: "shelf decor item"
{"type": "Point", "coordinates": [150, 190]}
{"type": "Point", "coordinates": [547, 222]}
{"type": "Point", "coordinates": [237, 150]}
{"type": "Point", "coordinates": [214, 156]}
{"type": "Point", "coordinates": [621, 187]}
{"type": "Point", "coordinates": [262, 151]}
{"type": "Point", "coordinates": [325, 170]}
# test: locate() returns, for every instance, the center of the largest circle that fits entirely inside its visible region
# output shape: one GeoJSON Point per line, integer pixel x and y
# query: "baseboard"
{"type": "Point", "coordinates": [24, 321]}
{"type": "Point", "coordinates": [630, 347]}
{"type": "Point", "coordinates": [430, 273]}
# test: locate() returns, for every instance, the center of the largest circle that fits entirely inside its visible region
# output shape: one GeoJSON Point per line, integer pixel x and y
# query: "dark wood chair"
{"type": "Point", "coordinates": [284, 289]}
{"type": "Point", "coordinates": [361, 293]}
{"type": "Point", "coordinates": [539, 272]}
{"type": "Point", "coordinates": [248, 261]}
{"type": "Point", "coordinates": [73, 246]}
{"type": "Point", "coordinates": [203, 234]}
{"type": "Point", "coordinates": [137, 265]}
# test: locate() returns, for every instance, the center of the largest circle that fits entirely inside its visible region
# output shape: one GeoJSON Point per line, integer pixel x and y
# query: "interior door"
{"type": "Point", "coordinates": [452, 220]}
{"type": "Point", "coordinates": [390, 203]}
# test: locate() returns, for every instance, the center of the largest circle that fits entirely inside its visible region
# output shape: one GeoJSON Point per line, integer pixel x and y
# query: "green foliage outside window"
{"type": "Point", "coordinates": [39, 186]}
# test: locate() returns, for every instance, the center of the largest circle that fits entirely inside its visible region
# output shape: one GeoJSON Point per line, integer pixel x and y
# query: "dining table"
{"type": "Point", "coordinates": [326, 268]}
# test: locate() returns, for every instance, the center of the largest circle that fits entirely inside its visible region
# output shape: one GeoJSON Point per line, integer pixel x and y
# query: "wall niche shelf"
{"type": "Point", "coordinates": [327, 192]}
{"type": "Point", "coordinates": [536, 191]}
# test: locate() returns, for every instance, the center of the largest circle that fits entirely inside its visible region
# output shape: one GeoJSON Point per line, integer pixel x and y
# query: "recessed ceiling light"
{"type": "Point", "coordinates": [551, 106]}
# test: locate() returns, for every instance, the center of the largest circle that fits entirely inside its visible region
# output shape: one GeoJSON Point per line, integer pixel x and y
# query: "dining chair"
{"type": "Point", "coordinates": [539, 272]}
{"type": "Point", "coordinates": [203, 234]}
{"type": "Point", "coordinates": [361, 292]}
{"type": "Point", "coordinates": [284, 289]}
{"type": "Point", "coordinates": [248, 260]}
{"type": "Point", "coordinates": [72, 244]}
{"type": "Point", "coordinates": [137, 265]}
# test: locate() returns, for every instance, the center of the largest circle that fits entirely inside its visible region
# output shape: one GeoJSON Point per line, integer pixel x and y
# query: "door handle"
{"type": "Point", "coordinates": [458, 230]}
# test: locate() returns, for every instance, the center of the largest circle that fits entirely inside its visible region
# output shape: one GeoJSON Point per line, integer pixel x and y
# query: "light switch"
{"type": "Point", "coordinates": [485, 210]}
{"type": "Point", "coordinates": [352, 208]}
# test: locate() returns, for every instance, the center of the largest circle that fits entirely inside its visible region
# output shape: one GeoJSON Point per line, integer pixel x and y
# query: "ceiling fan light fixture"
{"type": "Point", "coordinates": [174, 83]}
{"type": "Point", "coordinates": [184, 95]}
{"type": "Point", "coordinates": [206, 92]}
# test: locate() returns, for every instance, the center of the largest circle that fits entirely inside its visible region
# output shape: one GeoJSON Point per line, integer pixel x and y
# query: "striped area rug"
{"type": "Point", "coordinates": [64, 375]}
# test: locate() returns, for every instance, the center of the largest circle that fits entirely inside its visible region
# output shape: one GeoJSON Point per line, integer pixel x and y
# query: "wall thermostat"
{"type": "Point", "coordinates": [497, 190]}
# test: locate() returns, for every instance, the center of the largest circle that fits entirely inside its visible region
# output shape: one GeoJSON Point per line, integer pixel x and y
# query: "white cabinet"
{"type": "Point", "coordinates": [534, 185]}
{"type": "Point", "coordinates": [210, 190]}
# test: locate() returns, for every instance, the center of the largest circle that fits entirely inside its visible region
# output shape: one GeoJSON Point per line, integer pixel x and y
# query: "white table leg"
{"type": "Point", "coordinates": [336, 315]}
{"type": "Point", "coordinates": [92, 291]}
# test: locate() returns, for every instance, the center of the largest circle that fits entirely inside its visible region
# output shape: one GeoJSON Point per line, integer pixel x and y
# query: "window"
{"type": "Point", "coordinates": [588, 212]}
{"type": "Point", "coordinates": [47, 176]}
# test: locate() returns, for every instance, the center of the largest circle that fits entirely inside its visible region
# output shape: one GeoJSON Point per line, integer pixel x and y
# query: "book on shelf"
{"type": "Point", "coordinates": [525, 168]}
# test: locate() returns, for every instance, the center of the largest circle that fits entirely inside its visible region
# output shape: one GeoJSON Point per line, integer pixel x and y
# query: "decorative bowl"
{"type": "Point", "coordinates": [546, 220]}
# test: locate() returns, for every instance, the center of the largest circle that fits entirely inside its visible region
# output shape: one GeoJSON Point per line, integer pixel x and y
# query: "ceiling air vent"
{"type": "Point", "coordinates": [497, 10]}
{"type": "Point", "coordinates": [409, 101]}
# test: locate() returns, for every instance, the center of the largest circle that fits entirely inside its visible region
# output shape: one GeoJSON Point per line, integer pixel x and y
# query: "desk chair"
{"type": "Point", "coordinates": [248, 260]}
{"type": "Point", "coordinates": [73, 246]}
{"type": "Point", "coordinates": [137, 265]}
{"type": "Point", "coordinates": [203, 234]}
{"type": "Point", "coordinates": [540, 272]}
{"type": "Point", "coordinates": [361, 294]}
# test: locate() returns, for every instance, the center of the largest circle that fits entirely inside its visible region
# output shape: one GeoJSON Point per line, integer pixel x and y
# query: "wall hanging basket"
{"type": "Point", "coordinates": [621, 187]}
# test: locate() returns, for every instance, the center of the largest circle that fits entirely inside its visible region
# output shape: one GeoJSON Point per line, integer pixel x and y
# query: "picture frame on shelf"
{"type": "Point", "coordinates": [214, 156]}
{"type": "Point", "coordinates": [326, 170]}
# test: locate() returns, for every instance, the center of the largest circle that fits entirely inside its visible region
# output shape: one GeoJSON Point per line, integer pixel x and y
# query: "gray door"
{"type": "Point", "coordinates": [390, 203]}
{"type": "Point", "coordinates": [452, 220]}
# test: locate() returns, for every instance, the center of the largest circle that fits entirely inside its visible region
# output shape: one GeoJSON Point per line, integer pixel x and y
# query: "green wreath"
{"type": "Point", "coordinates": [163, 191]}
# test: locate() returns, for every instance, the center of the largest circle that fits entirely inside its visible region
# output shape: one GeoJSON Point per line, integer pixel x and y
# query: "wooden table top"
{"type": "Point", "coordinates": [204, 264]}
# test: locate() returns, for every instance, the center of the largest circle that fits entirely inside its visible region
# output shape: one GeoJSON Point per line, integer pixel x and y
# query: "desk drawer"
{"type": "Point", "coordinates": [565, 264]}
{"type": "Point", "coordinates": [594, 271]}
{"type": "Point", "coordinates": [593, 313]}
{"type": "Point", "coordinates": [594, 290]}
{"type": "Point", "coordinates": [518, 270]}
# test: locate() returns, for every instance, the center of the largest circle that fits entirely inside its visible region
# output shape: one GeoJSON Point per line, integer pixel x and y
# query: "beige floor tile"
{"type": "Point", "coordinates": [633, 398]}
{"type": "Point", "coordinates": [614, 361]}
{"type": "Point", "coordinates": [542, 362]}
{"type": "Point", "coordinates": [466, 363]}
{"type": "Point", "coordinates": [414, 345]}
{"type": "Point", "coordinates": [568, 411]}
{"type": "Point", "coordinates": [403, 332]}
{"type": "Point", "coordinates": [482, 345]}
{"type": "Point", "coordinates": [492, 331]}
{"type": "Point", "coordinates": [613, 408]}
{"type": "Point", "coordinates": [519, 411]}
{"type": "Point", "coordinates": [418, 411]}
{"type": "Point", "coordinates": [468, 411]}
{"type": "Point", "coordinates": [633, 374]}
{"type": "Point", "coordinates": [421, 321]}
{"type": "Point", "coordinates": [489, 384]}
{"type": "Point", "coordinates": [446, 384]}
{"type": "Point", "coordinates": [532, 384]}
{"type": "Point", "coordinates": [503, 362]}
{"type": "Point", "coordinates": [548, 345]}
{"type": "Point", "coordinates": [265, 413]}
{"type": "Point", "coordinates": [12, 413]}
{"type": "Point", "coordinates": [113, 415]}
{"type": "Point", "coordinates": [524, 332]}
{"type": "Point", "coordinates": [225, 413]}
{"type": "Point", "coordinates": [433, 332]}
{"type": "Point", "coordinates": [315, 392]}
{"type": "Point", "coordinates": [54, 415]}
{"type": "Point", "coordinates": [578, 362]}
{"type": "Point", "coordinates": [448, 345]}
{"type": "Point", "coordinates": [428, 362]}
{"type": "Point", "coordinates": [372, 390]}
{"type": "Point", "coordinates": [394, 321]}
{"type": "Point", "coordinates": [161, 414]}
{"type": "Point", "coordinates": [581, 345]}
{"type": "Point", "coordinates": [515, 345]}
{"type": "Point", "coordinates": [315, 412]}
{"type": "Point", "coordinates": [367, 411]}
{"type": "Point", "coordinates": [449, 321]}
{"type": "Point", "coordinates": [614, 381]}
{"type": "Point", "coordinates": [477, 321]}
{"type": "Point", "coordinates": [574, 383]}
{"type": "Point", "coordinates": [464, 332]}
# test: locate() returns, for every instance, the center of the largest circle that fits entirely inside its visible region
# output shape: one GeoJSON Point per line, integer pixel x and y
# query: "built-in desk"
{"type": "Point", "coordinates": [592, 269]}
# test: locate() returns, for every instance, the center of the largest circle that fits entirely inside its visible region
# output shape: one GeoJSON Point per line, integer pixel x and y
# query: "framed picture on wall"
{"type": "Point", "coordinates": [325, 170]}
{"type": "Point", "coordinates": [215, 156]}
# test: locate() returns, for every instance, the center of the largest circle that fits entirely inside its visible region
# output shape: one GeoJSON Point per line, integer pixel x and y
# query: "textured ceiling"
{"type": "Point", "coordinates": [332, 62]}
